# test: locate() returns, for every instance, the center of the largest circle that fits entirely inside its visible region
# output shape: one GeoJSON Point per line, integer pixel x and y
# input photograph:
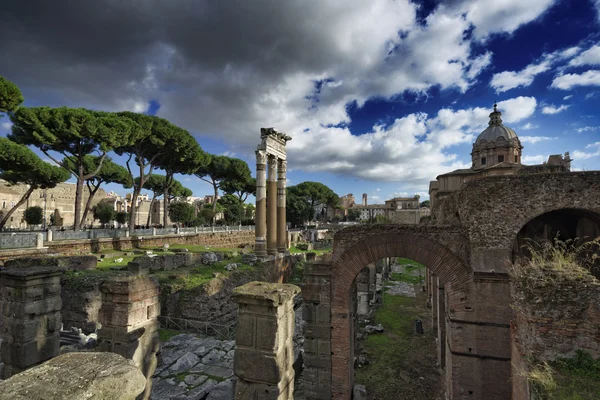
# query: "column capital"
{"type": "Point", "coordinates": [282, 166]}
{"type": "Point", "coordinates": [261, 157]}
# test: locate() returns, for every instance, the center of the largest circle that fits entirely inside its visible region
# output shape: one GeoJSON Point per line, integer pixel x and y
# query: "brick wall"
{"type": "Point", "coordinates": [552, 321]}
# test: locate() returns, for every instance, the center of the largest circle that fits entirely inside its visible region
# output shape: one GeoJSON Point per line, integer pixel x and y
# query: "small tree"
{"type": "Point", "coordinates": [425, 204]}
{"type": "Point", "coordinates": [104, 212]}
{"type": "Point", "coordinates": [222, 169]}
{"type": "Point", "coordinates": [33, 215]}
{"type": "Point", "coordinates": [181, 212]}
{"type": "Point", "coordinates": [353, 215]}
{"type": "Point", "coordinates": [121, 217]}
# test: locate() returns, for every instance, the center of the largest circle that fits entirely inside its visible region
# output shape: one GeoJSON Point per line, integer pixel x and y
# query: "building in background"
{"type": "Point", "coordinates": [496, 151]}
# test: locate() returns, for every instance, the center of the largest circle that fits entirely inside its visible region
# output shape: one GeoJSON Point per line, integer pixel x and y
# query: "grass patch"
{"type": "Point", "coordinates": [576, 378]}
{"type": "Point", "coordinates": [414, 279]}
{"type": "Point", "coordinates": [166, 334]}
{"type": "Point", "coordinates": [193, 277]}
{"type": "Point", "coordinates": [294, 249]}
{"type": "Point", "coordinates": [410, 264]}
{"type": "Point", "coordinates": [297, 275]}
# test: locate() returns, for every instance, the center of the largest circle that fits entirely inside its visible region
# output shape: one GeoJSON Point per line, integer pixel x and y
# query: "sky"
{"type": "Point", "coordinates": [379, 96]}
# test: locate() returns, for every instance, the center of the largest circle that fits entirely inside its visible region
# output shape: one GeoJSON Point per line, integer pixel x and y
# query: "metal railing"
{"type": "Point", "coordinates": [224, 332]}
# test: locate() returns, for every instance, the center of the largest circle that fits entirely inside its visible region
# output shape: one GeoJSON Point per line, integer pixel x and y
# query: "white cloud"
{"type": "Point", "coordinates": [6, 125]}
{"type": "Point", "coordinates": [492, 16]}
{"type": "Point", "coordinates": [535, 139]}
{"type": "Point", "coordinates": [529, 126]}
{"type": "Point", "coordinates": [551, 109]}
{"type": "Point", "coordinates": [389, 153]}
{"type": "Point", "coordinates": [568, 97]}
{"type": "Point", "coordinates": [507, 80]}
{"type": "Point", "coordinates": [587, 129]}
{"type": "Point", "coordinates": [583, 155]}
{"type": "Point", "coordinates": [228, 154]}
{"type": "Point", "coordinates": [538, 159]}
{"type": "Point", "coordinates": [589, 57]}
{"type": "Point", "coordinates": [569, 81]}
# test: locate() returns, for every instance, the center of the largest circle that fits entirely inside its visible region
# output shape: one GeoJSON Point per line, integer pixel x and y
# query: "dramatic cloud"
{"type": "Point", "coordinates": [569, 81]}
{"type": "Point", "coordinates": [589, 57]}
{"type": "Point", "coordinates": [535, 139]}
{"type": "Point", "coordinates": [551, 109]}
{"type": "Point", "coordinates": [224, 70]}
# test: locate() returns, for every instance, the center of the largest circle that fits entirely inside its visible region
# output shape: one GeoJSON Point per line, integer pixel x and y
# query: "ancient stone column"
{"type": "Point", "coordinates": [261, 204]}
{"type": "Point", "coordinates": [129, 311]}
{"type": "Point", "coordinates": [281, 222]}
{"type": "Point", "coordinates": [272, 207]}
{"type": "Point", "coordinates": [31, 313]}
{"type": "Point", "coordinates": [363, 308]}
{"type": "Point", "coordinates": [264, 356]}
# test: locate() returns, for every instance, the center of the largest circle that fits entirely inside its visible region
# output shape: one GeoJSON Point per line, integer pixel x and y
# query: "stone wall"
{"type": "Point", "coordinates": [211, 302]}
{"type": "Point", "coordinates": [217, 239]}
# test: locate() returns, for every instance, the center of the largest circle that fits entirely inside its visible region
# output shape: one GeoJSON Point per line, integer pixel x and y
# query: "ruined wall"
{"type": "Point", "coordinates": [218, 239]}
{"type": "Point", "coordinates": [554, 316]}
{"type": "Point", "coordinates": [211, 302]}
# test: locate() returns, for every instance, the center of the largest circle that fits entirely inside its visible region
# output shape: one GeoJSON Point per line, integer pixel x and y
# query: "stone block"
{"type": "Point", "coordinates": [255, 366]}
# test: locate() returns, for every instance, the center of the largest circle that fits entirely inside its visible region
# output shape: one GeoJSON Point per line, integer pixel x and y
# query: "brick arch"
{"type": "Point", "coordinates": [421, 245]}
{"type": "Point", "coordinates": [592, 214]}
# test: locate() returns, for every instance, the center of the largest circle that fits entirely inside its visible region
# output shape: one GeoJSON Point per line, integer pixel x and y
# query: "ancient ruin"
{"type": "Point", "coordinates": [271, 229]}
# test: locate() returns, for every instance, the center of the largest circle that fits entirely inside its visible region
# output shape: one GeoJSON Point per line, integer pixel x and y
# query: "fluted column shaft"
{"type": "Point", "coordinates": [281, 222]}
{"type": "Point", "coordinates": [272, 206]}
{"type": "Point", "coordinates": [260, 247]}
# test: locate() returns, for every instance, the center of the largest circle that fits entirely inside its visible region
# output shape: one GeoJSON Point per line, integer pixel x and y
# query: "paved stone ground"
{"type": "Point", "coordinates": [194, 368]}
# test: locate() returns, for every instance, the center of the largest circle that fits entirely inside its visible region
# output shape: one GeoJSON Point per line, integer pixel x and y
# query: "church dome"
{"type": "Point", "coordinates": [495, 130]}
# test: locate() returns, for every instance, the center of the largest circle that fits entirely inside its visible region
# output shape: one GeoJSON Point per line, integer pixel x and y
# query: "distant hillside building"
{"type": "Point", "coordinates": [496, 151]}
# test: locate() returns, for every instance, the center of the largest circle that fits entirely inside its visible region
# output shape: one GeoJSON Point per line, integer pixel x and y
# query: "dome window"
{"type": "Point", "coordinates": [483, 161]}
{"type": "Point", "coordinates": [500, 159]}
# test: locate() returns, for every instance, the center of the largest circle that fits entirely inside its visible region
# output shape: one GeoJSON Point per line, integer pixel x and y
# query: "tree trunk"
{"type": "Point", "coordinates": [19, 204]}
{"type": "Point", "coordinates": [88, 203]}
{"type": "Point", "coordinates": [150, 210]}
{"type": "Point", "coordinates": [214, 216]}
{"type": "Point", "coordinates": [78, 200]}
{"type": "Point", "coordinates": [166, 199]}
{"type": "Point", "coordinates": [136, 193]}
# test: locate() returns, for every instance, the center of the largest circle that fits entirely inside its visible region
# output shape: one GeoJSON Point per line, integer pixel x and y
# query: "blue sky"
{"type": "Point", "coordinates": [380, 97]}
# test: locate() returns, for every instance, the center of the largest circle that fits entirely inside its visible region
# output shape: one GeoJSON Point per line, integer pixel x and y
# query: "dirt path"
{"type": "Point", "coordinates": [403, 364]}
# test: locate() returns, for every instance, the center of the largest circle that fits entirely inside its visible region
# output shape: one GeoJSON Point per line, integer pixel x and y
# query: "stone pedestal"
{"type": "Point", "coordinates": [130, 307]}
{"type": "Point", "coordinates": [260, 247]}
{"type": "Point", "coordinates": [264, 356]}
{"type": "Point", "coordinates": [31, 313]}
